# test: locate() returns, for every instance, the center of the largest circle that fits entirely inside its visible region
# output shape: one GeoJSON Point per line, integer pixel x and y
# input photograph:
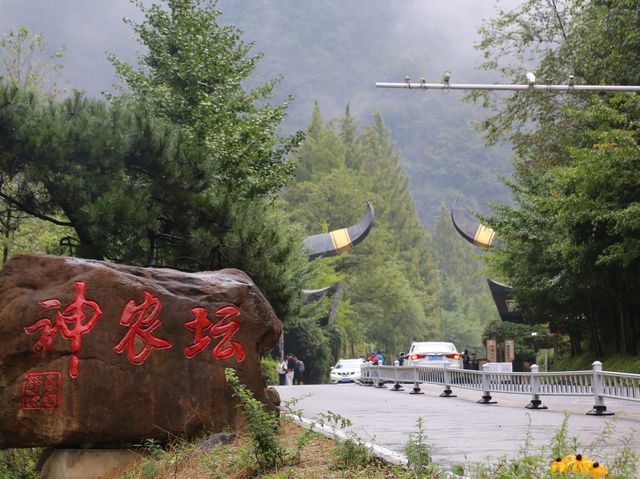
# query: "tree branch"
{"type": "Point", "coordinates": [33, 213]}
{"type": "Point", "coordinates": [554, 6]}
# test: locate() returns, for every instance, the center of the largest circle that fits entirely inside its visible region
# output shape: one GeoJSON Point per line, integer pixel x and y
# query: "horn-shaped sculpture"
{"type": "Point", "coordinates": [484, 237]}
{"type": "Point", "coordinates": [312, 295]}
{"type": "Point", "coordinates": [507, 306]}
{"type": "Point", "coordinates": [474, 232]}
{"type": "Point", "coordinates": [336, 242]}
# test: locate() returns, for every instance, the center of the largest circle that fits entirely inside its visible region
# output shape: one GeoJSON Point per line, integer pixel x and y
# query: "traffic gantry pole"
{"type": "Point", "coordinates": [569, 87]}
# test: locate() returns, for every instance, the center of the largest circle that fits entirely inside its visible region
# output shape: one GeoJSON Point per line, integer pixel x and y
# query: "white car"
{"type": "Point", "coordinates": [431, 353]}
{"type": "Point", "coordinates": [346, 371]}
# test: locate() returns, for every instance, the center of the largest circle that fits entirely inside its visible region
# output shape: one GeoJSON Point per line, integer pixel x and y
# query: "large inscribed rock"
{"type": "Point", "coordinates": [95, 353]}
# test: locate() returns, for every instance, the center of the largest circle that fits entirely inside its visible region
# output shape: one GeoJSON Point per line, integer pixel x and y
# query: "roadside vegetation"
{"type": "Point", "coordinates": [273, 446]}
{"type": "Point", "coordinates": [615, 362]}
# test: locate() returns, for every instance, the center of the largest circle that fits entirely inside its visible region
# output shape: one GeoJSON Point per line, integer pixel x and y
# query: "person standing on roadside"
{"type": "Point", "coordinates": [282, 371]}
{"type": "Point", "coordinates": [401, 358]}
{"type": "Point", "coordinates": [373, 358]}
{"type": "Point", "coordinates": [475, 362]}
{"type": "Point", "coordinates": [466, 360]}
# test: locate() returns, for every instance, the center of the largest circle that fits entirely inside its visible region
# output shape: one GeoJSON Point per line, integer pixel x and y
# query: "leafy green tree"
{"type": "Point", "coordinates": [26, 62]}
{"type": "Point", "coordinates": [569, 244]}
{"type": "Point", "coordinates": [191, 76]}
{"type": "Point", "coordinates": [572, 253]}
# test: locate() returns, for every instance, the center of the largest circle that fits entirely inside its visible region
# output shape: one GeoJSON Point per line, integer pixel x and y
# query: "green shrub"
{"type": "Point", "coordinates": [269, 372]}
{"type": "Point", "coordinates": [19, 463]}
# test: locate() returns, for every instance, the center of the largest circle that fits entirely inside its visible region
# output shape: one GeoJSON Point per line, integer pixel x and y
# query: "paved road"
{"type": "Point", "coordinates": [462, 431]}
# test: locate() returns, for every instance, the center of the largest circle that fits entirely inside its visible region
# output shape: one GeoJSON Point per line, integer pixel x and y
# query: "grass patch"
{"type": "Point", "coordinates": [621, 363]}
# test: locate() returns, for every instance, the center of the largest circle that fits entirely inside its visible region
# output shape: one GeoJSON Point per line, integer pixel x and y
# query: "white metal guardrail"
{"type": "Point", "coordinates": [596, 383]}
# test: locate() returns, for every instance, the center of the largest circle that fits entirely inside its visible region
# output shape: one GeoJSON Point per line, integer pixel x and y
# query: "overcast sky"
{"type": "Point", "coordinates": [91, 28]}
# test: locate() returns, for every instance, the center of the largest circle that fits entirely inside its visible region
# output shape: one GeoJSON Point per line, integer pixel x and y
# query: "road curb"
{"type": "Point", "coordinates": [383, 453]}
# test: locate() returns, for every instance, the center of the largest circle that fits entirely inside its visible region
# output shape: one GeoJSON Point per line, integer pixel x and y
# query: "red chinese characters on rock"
{"type": "Point", "coordinates": [226, 347]}
{"type": "Point", "coordinates": [142, 320]}
{"type": "Point", "coordinates": [41, 390]}
{"type": "Point", "coordinates": [81, 315]}
{"type": "Point", "coordinates": [72, 323]}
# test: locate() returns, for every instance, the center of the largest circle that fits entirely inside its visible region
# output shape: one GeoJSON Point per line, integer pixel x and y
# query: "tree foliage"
{"type": "Point", "coordinates": [390, 286]}
{"type": "Point", "coordinates": [595, 41]}
{"type": "Point", "coordinates": [192, 74]}
{"type": "Point", "coordinates": [182, 171]}
{"type": "Point", "coordinates": [570, 246]}
{"type": "Point", "coordinates": [26, 62]}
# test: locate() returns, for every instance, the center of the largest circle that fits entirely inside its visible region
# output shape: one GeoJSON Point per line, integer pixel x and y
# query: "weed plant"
{"type": "Point", "coordinates": [262, 426]}
{"type": "Point", "coordinates": [19, 463]}
{"type": "Point", "coordinates": [158, 459]}
{"type": "Point", "coordinates": [418, 452]}
{"type": "Point", "coordinates": [350, 452]}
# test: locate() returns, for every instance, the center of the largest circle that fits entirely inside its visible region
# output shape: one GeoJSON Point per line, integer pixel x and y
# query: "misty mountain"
{"type": "Point", "coordinates": [331, 52]}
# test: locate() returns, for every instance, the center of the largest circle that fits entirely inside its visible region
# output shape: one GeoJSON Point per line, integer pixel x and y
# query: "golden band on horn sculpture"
{"type": "Point", "coordinates": [483, 236]}
{"type": "Point", "coordinates": [336, 242]}
{"type": "Point", "coordinates": [475, 233]}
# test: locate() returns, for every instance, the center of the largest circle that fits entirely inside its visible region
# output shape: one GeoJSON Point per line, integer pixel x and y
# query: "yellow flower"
{"type": "Point", "coordinates": [598, 470]}
{"type": "Point", "coordinates": [558, 466]}
{"type": "Point", "coordinates": [579, 465]}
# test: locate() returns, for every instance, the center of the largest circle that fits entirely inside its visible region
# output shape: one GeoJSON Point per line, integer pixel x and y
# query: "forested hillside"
{"type": "Point", "coordinates": [334, 52]}
{"type": "Point", "coordinates": [400, 284]}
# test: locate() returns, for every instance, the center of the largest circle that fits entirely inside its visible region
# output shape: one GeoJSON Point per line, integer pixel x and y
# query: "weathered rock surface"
{"type": "Point", "coordinates": [87, 463]}
{"type": "Point", "coordinates": [99, 353]}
